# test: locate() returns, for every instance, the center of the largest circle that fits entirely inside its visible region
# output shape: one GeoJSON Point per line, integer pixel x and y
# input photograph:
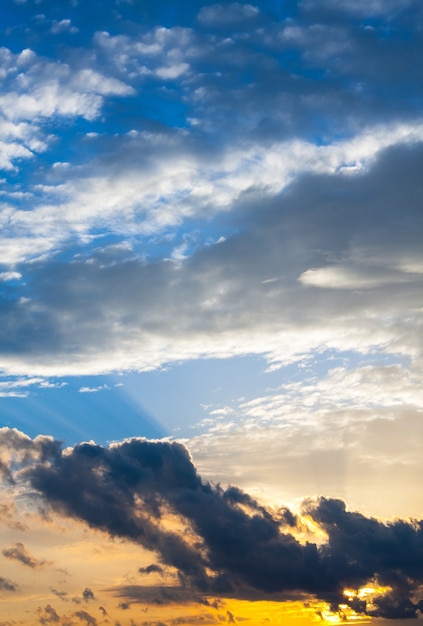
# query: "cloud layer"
{"type": "Point", "coordinates": [333, 261]}
{"type": "Point", "coordinates": [276, 178]}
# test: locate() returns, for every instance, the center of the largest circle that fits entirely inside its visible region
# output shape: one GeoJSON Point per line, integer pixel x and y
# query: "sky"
{"type": "Point", "coordinates": [211, 312]}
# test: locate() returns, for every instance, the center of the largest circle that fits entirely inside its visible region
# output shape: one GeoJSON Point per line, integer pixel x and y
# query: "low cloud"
{"type": "Point", "coordinates": [231, 544]}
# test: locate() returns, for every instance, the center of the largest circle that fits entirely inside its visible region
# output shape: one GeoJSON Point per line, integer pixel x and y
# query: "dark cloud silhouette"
{"type": "Point", "coordinates": [150, 569]}
{"type": "Point", "coordinates": [48, 615]}
{"type": "Point", "coordinates": [232, 544]}
{"type": "Point", "coordinates": [87, 594]}
{"type": "Point", "coordinates": [60, 594]}
{"type": "Point", "coordinates": [86, 617]}
{"type": "Point", "coordinates": [361, 548]}
{"type": "Point", "coordinates": [18, 552]}
{"type": "Point", "coordinates": [7, 585]}
{"type": "Point", "coordinates": [124, 606]}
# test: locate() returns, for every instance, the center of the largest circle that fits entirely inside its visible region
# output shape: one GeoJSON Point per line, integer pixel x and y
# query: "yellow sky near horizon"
{"type": "Point", "coordinates": [65, 558]}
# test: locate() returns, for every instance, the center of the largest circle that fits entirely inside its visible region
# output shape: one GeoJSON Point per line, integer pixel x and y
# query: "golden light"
{"type": "Point", "coordinates": [368, 592]}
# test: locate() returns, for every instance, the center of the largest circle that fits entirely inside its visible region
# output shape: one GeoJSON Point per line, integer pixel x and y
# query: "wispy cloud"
{"type": "Point", "coordinates": [18, 552]}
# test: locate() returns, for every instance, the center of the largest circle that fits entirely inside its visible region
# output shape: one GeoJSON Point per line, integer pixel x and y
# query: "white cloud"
{"type": "Point", "coordinates": [131, 198]}
{"type": "Point", "coordinates": [5, 276]}
{"type": "Point", "coordinates": [162, 52]}
{"type": "Point", "coordinates": [347, 277]}
{"type": "Point", "coordinates": [10, 153]}
{"type": "Point", "coordinates": [94, 389]}
{"type": "Point", "coordinates": [37, 90]}
{"type": "Point", "coordinates": [63, 26]}
{"type": "Point", "coordinates": [20, 388]}
{"type": "Point", "coordinates": [119, 312]}
{"type": "Point", "coordinates": [353, 433]}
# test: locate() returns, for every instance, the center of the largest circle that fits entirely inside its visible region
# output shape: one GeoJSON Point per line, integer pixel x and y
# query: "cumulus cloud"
{"type": "Point", "coordinates": [35, 90]}
{"type": "Point", "coordinates": [229, 543]}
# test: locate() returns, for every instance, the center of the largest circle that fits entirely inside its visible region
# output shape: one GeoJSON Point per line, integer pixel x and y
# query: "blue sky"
{"type": "Point", "coordinates": [211, 231]}
{"type": "Point", "coordinates": [198, 192]}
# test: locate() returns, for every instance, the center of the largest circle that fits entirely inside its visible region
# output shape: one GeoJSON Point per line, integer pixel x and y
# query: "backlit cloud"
{"type": "Point", "coordinates": [233, 544]}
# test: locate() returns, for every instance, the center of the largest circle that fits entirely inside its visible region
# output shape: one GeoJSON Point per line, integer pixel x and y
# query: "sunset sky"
{"type": "Point", "coordinates": [211, 312]}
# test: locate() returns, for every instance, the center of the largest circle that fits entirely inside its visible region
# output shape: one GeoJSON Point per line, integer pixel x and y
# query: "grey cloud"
{"type": "Point", "coordinates": [85, 617]}
{"type": "Point", "coordinates": [7, 585]}
{"type": "Point", "coordinates": [257, 280]}
{"type": "Point", "coordinates": [228, 14]}
{"type": "Point", "coordinates": [124, 606]}
{"type": "Point", "coordinates": [16, 447]}
{"type": "Point", "coordinates": [18, 552]}
{"type": "Point", "coordinates": [88, 594]}
{"type": "Point", "coordinates": [48, 615]}
{"type": "Point", "coordinates": [60, 594]}
{"type": "Point", "coordinates": [126, 489]}
{"type": "Point", "coordinates": [150, 569]}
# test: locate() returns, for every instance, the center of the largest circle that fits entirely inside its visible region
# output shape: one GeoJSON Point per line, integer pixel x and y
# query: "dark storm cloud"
{"type": "Point", "coordinates": [231, 544]}
{"type": "Point", "coordinates": [361, 548]}
{"type": "Point", "coordinates": [18, 552]}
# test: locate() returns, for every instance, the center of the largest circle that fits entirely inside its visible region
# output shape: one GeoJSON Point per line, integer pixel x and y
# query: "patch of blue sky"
{"type": "Point", "coordinates": [182, 395]}
{"type": "Point", "coordinates": [170, 402]}
{"type": "Point", "coordinates": [82, 409]}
